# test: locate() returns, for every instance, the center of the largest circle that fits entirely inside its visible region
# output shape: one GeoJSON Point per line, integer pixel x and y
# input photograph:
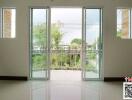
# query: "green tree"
{"type": "Point", "coordinates": [75, 58]}
{"type": "Point", "coordinates": [39, 61]}
{"type": "Point", "coordinates": [77, 41]}
{"type": "Point", "coordinates": [119, 33]}
{"type": "Point", "coordinates": [40, 35]}
{"type": "Point", "coordinates": [39, 40]}
{"type": "Point", "coordinates": [56, 35]}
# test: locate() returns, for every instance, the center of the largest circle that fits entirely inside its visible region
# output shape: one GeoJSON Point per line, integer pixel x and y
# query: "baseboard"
{"type": "Point", "coordinates": [24, 78]}
{"type": "Point", "coordinates": [111, 79]}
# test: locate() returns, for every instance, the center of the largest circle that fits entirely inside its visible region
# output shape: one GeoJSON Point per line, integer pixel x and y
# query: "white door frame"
{"type": "Point", "coordinates": [84, 46]}
{"type": "Point", "coordinates": [48, 42]}
{"type": "Point", "coordinates": [83, 72]}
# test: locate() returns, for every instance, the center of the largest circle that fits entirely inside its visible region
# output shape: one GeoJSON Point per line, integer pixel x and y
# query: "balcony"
{"type": "Point", "coordinates": [66, 59]}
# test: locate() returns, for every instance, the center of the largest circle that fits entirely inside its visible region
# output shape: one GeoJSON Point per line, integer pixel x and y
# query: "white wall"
{"type": "Point", "coordinates": [14, 55]}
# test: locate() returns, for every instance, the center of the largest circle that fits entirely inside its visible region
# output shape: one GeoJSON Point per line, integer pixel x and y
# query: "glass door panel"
{"type": "Point", "coordinates": [39, 43]}
{"type": "Point", "coordinates": [92, 43]}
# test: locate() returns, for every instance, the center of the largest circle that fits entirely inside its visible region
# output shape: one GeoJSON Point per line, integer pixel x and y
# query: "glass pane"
{"type": "Point", "coordinates": [39, 43]}
{"type": "Point", "coordinates": [9, 23]}
{"type": "Point", "coordinates": [123, 23]}
{"type": "Point", "coordinates": [92, 43]}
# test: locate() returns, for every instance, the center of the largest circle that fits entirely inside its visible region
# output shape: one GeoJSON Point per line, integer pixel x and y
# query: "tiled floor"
{"type": "Point", "coordinates": [60, 90]}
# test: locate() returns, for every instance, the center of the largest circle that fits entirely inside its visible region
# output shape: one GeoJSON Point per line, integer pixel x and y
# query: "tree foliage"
{"type": "Point", "coordinates": [57, 59]}
{"type": "Point", "coordinates": [119, 33]}
{"type": "Point", "coordinates": [56, 35]}
{"type": "Point", "coordinates": [77, 41]}
{"type": "Point", "coordinates": [40, 35]}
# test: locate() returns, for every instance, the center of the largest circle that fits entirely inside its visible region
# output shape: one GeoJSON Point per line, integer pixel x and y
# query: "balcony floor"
{"type": "Point", "coordinates": [74, 75]}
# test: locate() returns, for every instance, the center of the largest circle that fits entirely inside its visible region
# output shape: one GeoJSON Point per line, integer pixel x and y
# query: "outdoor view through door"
{"type": "Point", "coordinates": [65, 43]}
{"type": "Point", "coordinates": [66, 40]}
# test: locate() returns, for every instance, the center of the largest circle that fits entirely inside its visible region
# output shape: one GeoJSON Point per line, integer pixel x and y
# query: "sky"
{"type": "Point", "coordinates": [39, 16]}
{"type": "Point", "coordinates": [119, 19]}
{"type": "Point", "coordinates": [71, 19]}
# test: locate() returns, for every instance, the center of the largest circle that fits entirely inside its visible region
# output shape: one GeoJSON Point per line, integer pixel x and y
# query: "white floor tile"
{"type": "Point", "coordinates": [60, 90]}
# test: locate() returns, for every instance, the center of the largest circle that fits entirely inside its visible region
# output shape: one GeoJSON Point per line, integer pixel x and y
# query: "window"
{"type": "Point", "coordinates": [8, 22]}
{"type": "Point", "coordinates": [124, 23]}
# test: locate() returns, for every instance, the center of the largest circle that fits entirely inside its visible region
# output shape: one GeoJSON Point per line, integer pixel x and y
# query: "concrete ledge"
{"type": "Point", "coordinates": [24, 78]}
{"type": "Point", "coordinates": [111, 79]}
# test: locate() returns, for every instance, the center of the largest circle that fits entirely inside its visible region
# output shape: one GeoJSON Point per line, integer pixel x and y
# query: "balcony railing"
{"type": "Point", "coordinates": [64, 58]}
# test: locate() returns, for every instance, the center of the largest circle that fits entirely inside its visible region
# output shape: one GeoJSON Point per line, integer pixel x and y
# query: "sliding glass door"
{"type": "Point", "coordinates": [90, 53]}
{"type": "Point", "coordinates": [39, 43]}
{"type": "Point", "coordinates": [92, 43]}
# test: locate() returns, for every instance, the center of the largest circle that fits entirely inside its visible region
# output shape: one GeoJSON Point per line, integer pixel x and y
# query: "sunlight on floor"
{"type": "Point", "coordinates": [73, 75]}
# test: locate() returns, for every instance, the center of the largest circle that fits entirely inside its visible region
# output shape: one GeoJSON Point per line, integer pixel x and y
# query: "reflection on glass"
{"type": "Point", "coordinates": [123, 23]}
{"type": "Point", "coordinates": [9, 23]}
